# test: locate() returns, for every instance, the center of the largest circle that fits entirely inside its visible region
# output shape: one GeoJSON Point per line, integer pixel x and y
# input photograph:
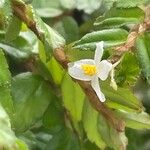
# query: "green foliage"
{"type": "Point", "coordinates": [50, 38]}
{"type": "Point", "coordinates": [4, 71]}
{"type": "Point", "coordinates": [36, 140]}
{"type": "Point", "coordinates": [50, 68]}
{"type": "Point", "coordinates": [135, 120]}
{"type": "Point", "coordinates": [73, 97]}
{"type": "Point", "coordinates": [128, 74]}
{"type": "Point", "coordinates": [88, 6]}
{"type": "Point", "coordinates": [89, 146]}
{"type": "Point", "coordinates": [100, 131]}
{"type": "Point", "coordinates": [7, 137]}
{"type": "Point", "coordinates": [53, 118]}
{"type": "Point", "coordinates": [5, 83]}
{"type": "Point", "coordinates": [122, 98]}
{"type": "Point", "coordinates": [130, 3]}
{"type": "Point", "coordinates": [111, 37]}
{"type": "Point", "coordinates": [117, 17]}
{"type": "Point", "coordinates": [47, 109]}
{"type": "Point", "coordinates": [46, 8]}
{"type": "Point", "coordinates": [50, 9]}
{"type": "Point", "coordinates": [56, 70]}
{"type": "Point", "coordinates": [5, 13]}
{"type": "Point", "coordinates": [20, 49]}
{"type": "Point", "coordinates": [13, 29]}
{"type": "Point", "coordinates": [77, 54]}
{"type": "Point", "coordinates": [21, 145]}
{"type": "Point", "coordinates": [91, 125]}
{"type": "Point", "coordinates": [68, 28]}
{"type": "Point", "coordinates": [143, 53]}
{"type": "Point", "coordinates": [64, 140]}
{"type": "Point", "coordinates": [113, 138]}
{"type": "Point", "coordinates": [31, 96]}
{"type": "Point", "coordinates": [126, 4]}
{"type": "Point", "coordinates": [140, 142]}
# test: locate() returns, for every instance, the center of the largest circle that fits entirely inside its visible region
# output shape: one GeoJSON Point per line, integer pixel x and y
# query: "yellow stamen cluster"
{"type": "Point", "coordinates": [89, 69]}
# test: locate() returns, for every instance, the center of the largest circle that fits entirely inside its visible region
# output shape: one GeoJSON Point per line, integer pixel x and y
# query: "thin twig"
{"type": "Point", "coordinates": [137, 30]}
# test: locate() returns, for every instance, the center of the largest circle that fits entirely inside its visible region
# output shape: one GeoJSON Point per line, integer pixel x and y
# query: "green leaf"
{"type": "Point", "coordinates": [5, 83]}
{"type": "Point", "coordinates": [89, 146]}
{"type": "Point", "coordinates": [19, 49]}
{"type": "Point", "coordinates": [31, 96]}
{"type": "Point", "coordinates": [47, 9]}
{"type": "Point", "coordinates": [143, 53]}
{"type": "Point", "coordinates": [50, 9]}
{"type": "Point", "coordinates": [13, 29]}
{"type": "Point", "coordinates": [113, 138]}
{"type": "Point", "coordinates": [130, 3]}
{"type": "Point", "coordinates": [5, 76]}
{"type": "Point", "coordinates": [90, 121]}
{"type": "Point", "coordinates": [52, 66]}
{"type": "Point", "coordinates": [77, 54]}
{"type": "Point", "coordinates": [127, 74]}
{"type": "Point", "coordinates": [56, 70]}
{"type": "Point", "coordinates": [55, 8]}
{"type": "Point", "coordinates": [138, 140]}
{"type": "Point", "coordinates": [127, 3]}
{"type": "Point", "coordinates": [86, 26]}
{"type": "Point", "coordinates": [107, 4]}
{"type": "Point", "coordinates": [5, 12]}
{"type": "Point", "coordinates": [135, 120]}
{"type": "Point", "coordinates": [35, 140]}
{"type": "Point", "coordinates": [6, 6]}
{"type": "Point", "coordinates": [53, 118]}
{"type": "Point", "coordinates": [122, 98]}
{"type": "Point", "coordinates": [68, 28]}
{"type": "Point", "coordinates": [117, 17]}
{"type": "Point", "coordinates": [88, 6]}
{"type": "Point", "coordinates": [111, 37]}
{"type": "Point", "coordinates": [68, 4]}
{"type": "Point", "coordinates": [21, 145]}
{"type": "Point", "coordinates": [31, 39]}
{"type": "Point", "coordinates": [27, 1]}
{"type": "Point", "coordinates": [48, 35]}
{"type": "Point", "coordinates": [73, 97]}
{"type": "Point", "coordinates": [7, 136]}
{"type": "Point", "coordinates": [50, 38]}
{"type": "Point", "coordinates": [63, 140]}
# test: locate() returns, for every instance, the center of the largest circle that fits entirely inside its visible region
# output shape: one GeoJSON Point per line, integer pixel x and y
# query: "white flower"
{"type": "Point", "coordinates": [91, 70]}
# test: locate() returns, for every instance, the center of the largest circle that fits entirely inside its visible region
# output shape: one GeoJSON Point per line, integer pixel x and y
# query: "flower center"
{"type": "Point", "coordinates": [89, 69]}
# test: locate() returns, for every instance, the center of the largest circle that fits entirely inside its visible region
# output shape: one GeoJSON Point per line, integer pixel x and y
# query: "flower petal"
{"type": "Point", "coordinates": [75, 69]}
{"type": "Point", "coordinates": [96, 87]}
{"type": "Point", "coordinates": [104, 68]}
{"type": "Point", "coordinates": [98, 52]}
